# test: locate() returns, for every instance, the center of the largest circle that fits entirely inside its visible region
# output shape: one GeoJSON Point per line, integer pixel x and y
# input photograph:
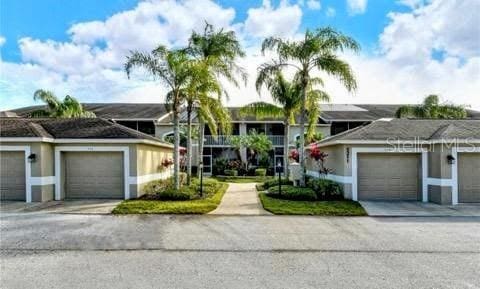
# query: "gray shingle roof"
{"type": "Point", "coordinates": [151, 111]}
{"type": "Point", "coordinates": [69, 128]}
{"type": "Point", "coordinates": [410, 129]}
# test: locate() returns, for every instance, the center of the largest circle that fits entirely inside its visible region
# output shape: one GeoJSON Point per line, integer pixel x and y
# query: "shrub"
{"type": "Point", "coordinates": [264, 160]}
{"type": "Point", "coordinates": [272, 183]}
{"type": "Point", "coordinates": [293, 193]}
{"type": "Point", "coordinates": [219, 165]}
{"type": "Point", "coordinates": [261, 172]}
{"type": "Point", "coordinates": [326, 189]}
{"type": "Point", "coordinates": [232, 173]}
{"type": "Point", "coordinates": [185, 193]}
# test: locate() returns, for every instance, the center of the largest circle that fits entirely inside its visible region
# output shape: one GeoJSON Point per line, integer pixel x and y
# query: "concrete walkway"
{"type": "Point", "coordinates": [240, 199]}
{"type": "Point", "coordinates": [419, 209]}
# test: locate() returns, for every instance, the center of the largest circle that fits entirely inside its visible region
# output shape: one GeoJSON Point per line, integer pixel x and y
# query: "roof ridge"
{"type": "Point", "coordinates": [39, 129]}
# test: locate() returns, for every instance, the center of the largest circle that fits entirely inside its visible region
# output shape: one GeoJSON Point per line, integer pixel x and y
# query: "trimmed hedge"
{"type": "Point", "coordinates": [292, 193]}
{"type": "Point", "coordinates": [326, 189]}
{"type": "Point", "coordinates": [231, 173]}
{"type": "Point", "coordinates": [261, 172]}
{"type": "Point", "coordinates": [163, 190]}
{"type": "Point", "coordinates": [274, 182]}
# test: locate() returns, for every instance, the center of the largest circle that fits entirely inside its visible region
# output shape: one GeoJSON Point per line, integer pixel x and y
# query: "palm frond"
{"type": "Point", "coordinates": [262, 110]}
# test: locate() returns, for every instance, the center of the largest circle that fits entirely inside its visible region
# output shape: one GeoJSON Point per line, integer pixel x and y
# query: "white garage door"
{"type": "Point", "coordinates": [388, 177]}
{"type": "Point", "coordinates": [94, 175]}
{"type": "Point", "coordinates": [12, 176]}
{"type": "Point", "coordinates": [469, 177]}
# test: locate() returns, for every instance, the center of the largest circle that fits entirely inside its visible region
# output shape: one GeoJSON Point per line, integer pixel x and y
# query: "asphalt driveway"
{"type": "Point", "coordinates": [44, 250]}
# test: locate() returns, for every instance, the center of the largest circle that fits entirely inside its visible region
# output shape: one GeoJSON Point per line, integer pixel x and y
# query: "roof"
{"type": "Point", "coordinates": [69, 128]}
{"type": "Point", "coordinates": [143, 111]}
{"type": "Point", "coordinates": [157, 111]}
{"type": "Point", "coordinates": [409, 130]}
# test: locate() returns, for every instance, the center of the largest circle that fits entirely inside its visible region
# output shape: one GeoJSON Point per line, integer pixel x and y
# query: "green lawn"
{"type": "Point", "coordinates": [239, 180]}
{"type": "Point", "coordinates": [201, 206]}
{"type": "Point", "coordinates": [320, 208]}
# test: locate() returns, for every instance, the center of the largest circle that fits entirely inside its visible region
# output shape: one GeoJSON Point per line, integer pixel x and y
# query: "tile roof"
{"type": "Point", "coordinates": [69, 128]}
{"type": "Point", "coordinates": [151, 111]}
{"type": "Point", "coordinates": [410, 129]}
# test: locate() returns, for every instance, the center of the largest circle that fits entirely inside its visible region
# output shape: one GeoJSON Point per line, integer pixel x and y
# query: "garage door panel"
{"type": "Point", "coordinates": [12, 175]}
{"type": "Point", "coordinates": [388, 176]}
{"type": "Point", "coordinates": [469, 177]}
{"type": "Point", "coordinates": [94, 175]}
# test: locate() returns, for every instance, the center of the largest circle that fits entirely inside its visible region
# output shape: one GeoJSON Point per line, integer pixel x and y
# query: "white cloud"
{"type": "Point", "coordinates": [330, 12]}
{"type": "Point", "coordinates": [314, 4]}
{"type": "Point", "coordinates": [356, 6]}
{"type": "Point", "coordinates": [2, 41]}
{"type": "Point", "coordinates": [270, 21]}
{"type": "Point", "coordinates": [90, 65]}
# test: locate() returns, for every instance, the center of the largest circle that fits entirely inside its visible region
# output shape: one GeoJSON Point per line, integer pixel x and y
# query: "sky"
{"type": "Point", "coordinates": [410, 48]}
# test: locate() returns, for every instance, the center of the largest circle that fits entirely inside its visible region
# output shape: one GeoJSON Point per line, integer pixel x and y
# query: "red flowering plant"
{"type": "Point", "coordinates": [294, 155]}
{"type": "Point", "coordinates": [166, 163]}
{"type": "Point", "coordinates": [320, 157]}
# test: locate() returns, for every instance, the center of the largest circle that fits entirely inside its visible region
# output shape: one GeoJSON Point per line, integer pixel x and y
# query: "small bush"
{"type": "Point", "coordinates": [261, 172]}
{"type": "Point", "coordinates": [293, 193]}
{"type": "Point", "coordinates": [231, 173]}
{"type": "Point", "coordinates": [219, 165]}
{"type": "Point", "coordinates": [326, 189]}
{"type": "Point", "coordinates": [185, 193]}
{"type": "Point", "coordinates": [272, 183]}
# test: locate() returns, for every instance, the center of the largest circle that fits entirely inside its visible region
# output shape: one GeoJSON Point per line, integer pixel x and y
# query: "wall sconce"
{"type": "Point", "coordinates": [32, 158]}
{"type": "Point", "coordinates": [450, 160]}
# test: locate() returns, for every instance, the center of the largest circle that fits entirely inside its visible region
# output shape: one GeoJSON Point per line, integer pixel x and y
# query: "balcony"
{"type": "Point", "coordinates": [224, 140]}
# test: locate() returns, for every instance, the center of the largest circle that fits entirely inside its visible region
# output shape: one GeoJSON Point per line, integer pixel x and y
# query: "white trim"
{"type": "Point", "coordinates": [332, 177]}
{"type": "Point", "coordinates": [88, 141]}
{"type": "Point", "coordinates": [424, 176]}
{"type": "Point", "coordinates": [126, 164]}
{"type": "Point", "coordinates": [356, 150]}
{"type": "Point", "coordinates": [148, 178]}
{"type": "Point", "coordinates": [393, 142]}
{"type": "Point", "coordinates": [28, 168]}
{"type": "Point", "coordinates": [440, 182]}
{"type": "Point", "coordinates": [43, 181]}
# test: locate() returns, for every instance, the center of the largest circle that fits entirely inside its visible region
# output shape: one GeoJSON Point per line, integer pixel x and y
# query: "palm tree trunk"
{"type": "Point", "coordinates": [189, 143]}
{"type": "Point", "coordinates": [201, 136]}
{"type": "Point", "coordinates": [176, 147]}
{"type": "Point", "coordinates": [285, 147]}
{"type": "Point", "coordinates": [301, 149]}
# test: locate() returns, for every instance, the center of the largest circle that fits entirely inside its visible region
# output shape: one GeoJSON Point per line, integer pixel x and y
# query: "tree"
{"type": "Point", "coordinates": [316, 51]}
{"type": "Point", "coordinates": [218, 50]}
{"type": "Point", "coordinates": [174, 69]}
{"type": "Point", "coordinates": [287, 98]}
{"type": "Point", "coordinates": [68, 108]}
{"type": "Point", "coordinates": [432, 108]}
{"type": "Point", "coordinates": [257, 144]}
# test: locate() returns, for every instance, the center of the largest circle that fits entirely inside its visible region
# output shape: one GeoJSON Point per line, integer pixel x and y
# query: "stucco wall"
{"type": "Point", "coordinates": [335, 160]}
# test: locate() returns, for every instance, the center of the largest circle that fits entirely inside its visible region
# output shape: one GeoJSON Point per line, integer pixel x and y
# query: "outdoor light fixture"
{"type": "Point", "coordinates": [279, 171]}
{"type": "Point", "coordinates": [347, 152]}
{"type": "Point", "coordinates": [450, 159]}
{"type": "Point", "coordinates": [32, 158]}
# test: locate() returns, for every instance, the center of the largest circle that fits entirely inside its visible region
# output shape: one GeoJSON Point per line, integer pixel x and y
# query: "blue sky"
{"type": "Point", "coordinates": [78, 47]}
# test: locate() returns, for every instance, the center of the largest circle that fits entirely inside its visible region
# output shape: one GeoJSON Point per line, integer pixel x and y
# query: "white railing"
{"type": "Point", "coordinates": [224, 140]}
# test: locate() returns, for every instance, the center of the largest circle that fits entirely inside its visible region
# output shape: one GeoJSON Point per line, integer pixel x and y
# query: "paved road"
{"type": "Point", "coordinates": [92, 251]}
{"type": "Point", "coordinates": [240, 199]}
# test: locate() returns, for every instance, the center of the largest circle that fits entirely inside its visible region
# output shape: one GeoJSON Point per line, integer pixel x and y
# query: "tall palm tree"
{"type": "Point", "coordinates": [68, 108]}
{"type": "Point", "coordinates": [200, 94]}
{"type": "Point", "coordinates": [316, 51]}
{"type": "Point", "coordinates": [174, 69]}
{"type": "Point", "coordinates": [432, 108]}
{"type": "Point", "coordinates": [287, 97]}
{"type": "Point", "coordinates": [218, 50]}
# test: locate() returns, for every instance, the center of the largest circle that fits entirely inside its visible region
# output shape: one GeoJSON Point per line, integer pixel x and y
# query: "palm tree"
{"type": "Point", "coordinates": [68, 108]}
{"type": "Point", "coordinates": [199, 94]}
{"type": "Point", "coordinates": [287, 97]}
{"type": "Point", "coordinates": [218, 50]}
{"type": "Point", "coordinates": [432, 108]}
{"type": "Point", "coordinates": [316, 51]}
{"type": "Point", "coordinates": [174, 69]}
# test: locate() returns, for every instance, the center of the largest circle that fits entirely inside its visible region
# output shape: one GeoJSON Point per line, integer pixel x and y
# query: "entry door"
{"type": "Point", "coordinates": [207, 164]}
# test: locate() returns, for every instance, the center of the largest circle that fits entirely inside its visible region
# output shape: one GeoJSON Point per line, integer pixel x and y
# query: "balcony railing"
{"type": "Point", "coordinates": [224, 140]}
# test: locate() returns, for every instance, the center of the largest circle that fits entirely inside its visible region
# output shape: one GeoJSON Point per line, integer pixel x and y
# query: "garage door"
{"type": "Point", "coordinates": [388, 177]}
{"type": "Point", "coordinates": [93, 175]}
{"type": "Point", "coordinates": [12, 176]}
{"type": "Point", "coordinates": [469, 177]}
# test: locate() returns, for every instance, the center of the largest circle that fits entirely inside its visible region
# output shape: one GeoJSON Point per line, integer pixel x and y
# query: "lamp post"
{"type": "Point", "coordinates": [279, 171]}
{"type": "Point", "coordinates": [200, 166]}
